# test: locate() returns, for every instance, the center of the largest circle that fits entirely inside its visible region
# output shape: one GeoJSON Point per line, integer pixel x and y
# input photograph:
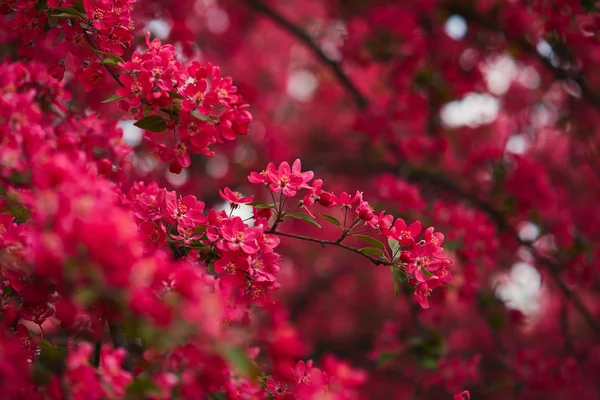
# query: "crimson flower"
{"type": "Point", "coordinates": [235, 197]}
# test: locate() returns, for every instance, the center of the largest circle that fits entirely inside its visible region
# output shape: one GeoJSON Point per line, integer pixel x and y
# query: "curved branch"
{"type": "Point", "coordinates": [360, 100]}
{"type": "Point", "coordinates": [323, 243]}
{"type": "Point", "coordinates": [472, 15]}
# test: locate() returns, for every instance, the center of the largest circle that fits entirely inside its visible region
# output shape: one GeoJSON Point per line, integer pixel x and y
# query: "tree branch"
{"type": "Point", "coordinates": [472, 15]}
{"type": "Point", "coordinates": [302, 36]}
{"type": "Point", "coordinates": [109, 69]}
{"type": "Point", "coordinates": [119, 339]}
{"type": "Point", "coordinates": [498, 217]}
{"type": "Point", "coordinates": [323, 243]}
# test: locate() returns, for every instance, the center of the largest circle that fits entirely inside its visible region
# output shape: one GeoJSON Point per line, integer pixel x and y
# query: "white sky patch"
{"type": "Point", "coordinates": [456, 27]}
{"type": "Point", "coordinates": [529, 78]}
{"type": "Point", "coordinates": [529, 231]}
{"type": "Point", "coordinates": [520, 289]}
{"type": "Point", "coordinates": [473, 110]}
{"type": "Point", "coordinates": [301, 85]}
{"type": "Point", "coordinates": [516, 144]}
{"type": "Point", "coordinates": [499, 74]}
{"type": "Point", "coordinates": [159, 27]}
{"type": "Point", "coordinates": [177, 179]}
{"type": "Point", "coordinates": [243, 211]}
{"type": "Point", "coordinates": [544, 49]}
{"type": "Point", "coordinates": [132, 135]}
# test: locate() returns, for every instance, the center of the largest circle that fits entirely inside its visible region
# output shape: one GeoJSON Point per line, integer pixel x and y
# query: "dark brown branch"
{"type": "Point", "coordinates": [323, 243]}
{"type": "Point", "coordinates": [119, 339]}
{"type": "Point", "coordinates": [554, 267]}
{"type": "Point", "coordinates": [527, 47]}
{"type": "Point", "coordinates": [109, 69]}
{"type": "Point", "coordinates": [64, 388]}
{"type": "Point", "coordinates": [498, 217]}
{"type": "Point", "coordinates": [302, 36]}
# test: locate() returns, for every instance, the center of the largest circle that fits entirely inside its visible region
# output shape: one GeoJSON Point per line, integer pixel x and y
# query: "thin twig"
{"type": "Point", "coordinates": [64, 388]}
{"type": "Point", "coordinates": [323, 243]}
{"type": "Point", "coordinates": [302, 36]}
{"type": "Point", "coordinates": [470, 14]}
{"type": "Point", "coordinates": [109, 69]}
{"type": "Point", "coordinates": [119, 339]}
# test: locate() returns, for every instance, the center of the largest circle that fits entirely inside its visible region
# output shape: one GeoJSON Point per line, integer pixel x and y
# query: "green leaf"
{"type": "Point", "coordinates": [371, 240]}
{"type": "Point", "coordinates": [395, 246]}
{"type": "Point", "coordinates": [386, 357]}
{"type": "Point", "coordinates": [211, 269]}
{"type": "Point", "coordinates": [65, 15]}
{"type": "Point", "coordinates": [175, 95]}
{"type": "Point", "coordinates": [201, 117]}
{"type": "Point", "coordinates": [152, 123]}
{"type": "Point", "coordinates": [332, 219]}
{"type": "Point", "coordinates": [371, 251]}
{"type": "Point", "coordinates": [52, 357]}
{"type": "Point", "coordinates": [429, 363]}
{"type": "Point", "coordinates": [497, 321]}
{"type": "Point", "coordinates": [141, 386]}
{"type": "Point", "coordinates": [399, 278]}
{"type": "Point", "coordinates": [240, 361]}
{"type": "Point", "coordinates": [110, 61]}
{"type": "Point", "coordinates": [112, 98]}
{"type": "Point", "coordinates": [68, 10]}
{"type": "Point", "coordinates": [588, 5]}
{"type": "Point", "coordinates": [261, 204]}
{"type": "Point", "coordinates": [41, 5]}
{"type": "Point", "coordinates": [304, 217]}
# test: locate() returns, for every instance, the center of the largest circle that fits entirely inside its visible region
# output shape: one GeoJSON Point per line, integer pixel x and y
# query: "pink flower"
{"type": "Point", "coordinates": [436, 238]}
{"type": "Point", "coordinates": [423, 291]}
{"type": "Point", "coordinates": [284, 179]}
{"type": "Point", "coordinates": [406, 235]}
{"type": "Point", "coordinates": [235, 197]}
{"type": "Point", "coordinates": [186, 211]}
{"type": "Point", "coordinates": [464, 395]}
{"type": "Point", "coordinates": [236, 236]}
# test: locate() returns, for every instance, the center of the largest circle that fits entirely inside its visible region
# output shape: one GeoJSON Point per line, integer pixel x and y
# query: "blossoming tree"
{"type": "Point", "coordinates": [186, 255]}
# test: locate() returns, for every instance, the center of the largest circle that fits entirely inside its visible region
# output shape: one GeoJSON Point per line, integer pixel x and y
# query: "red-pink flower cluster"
{"type": "Point", "coordinates": [188, 107]}
{"type": "Point", "coordinates": [423, 262]}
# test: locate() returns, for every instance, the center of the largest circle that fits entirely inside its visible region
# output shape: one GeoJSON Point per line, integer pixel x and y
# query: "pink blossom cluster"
{"type": "Point", "coordinates": [188, 107]}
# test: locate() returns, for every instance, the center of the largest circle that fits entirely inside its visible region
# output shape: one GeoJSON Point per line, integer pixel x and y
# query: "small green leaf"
{"type": "Point", "coordinates": [41, 5]}
{"type": "Point", "coordinates": [65, 15]}
{"type": "Point", "coordinates": [372, 251]}
{"type": "Point", "coordinates": [261, 204]}
{"type": "Point", "coordinates": [371, 240]}
{"type": "Point", "coordinates": [52, 357]}
{"type": "Point", "coordinates": [152, 123]}
{"type": "Point", "coordinates": [304, 217]}
{"type": "Point", "coordinates": [386, 357]}
{"type": "Point", "coordinates": [588, 5]}
{"type": "Point", "coordinates": [332, 219]}
{"type": "Point", "coordinates": [110, 61]}
{"type": "Point", "coordinates": [240, 361]}
{"type": "Point", "coordinates": [497, 321]}
{"type": "Point", "coordinates": [175, 95]}
{"type": "Point", "coordinates": [399, 278]}
{"type": "Point", "coordinates": [68, 10]}
{"type": "Point", "coordinates": [112, 98]}
{"type": "Point", "coordinates": [141, 386]}
{"type": "Point", "coordinates": [201, 117]}
{"type": "Point", "coordinates": [84, 26]}
{"type": "Point", "coordinates": [395, 246]}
